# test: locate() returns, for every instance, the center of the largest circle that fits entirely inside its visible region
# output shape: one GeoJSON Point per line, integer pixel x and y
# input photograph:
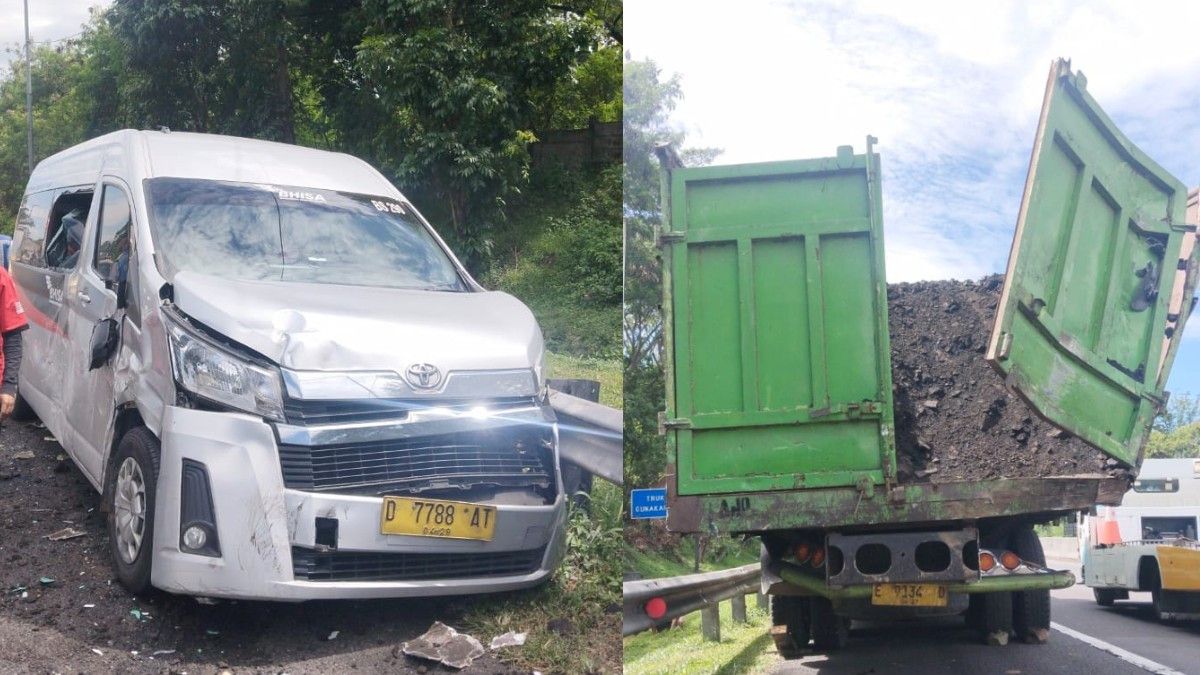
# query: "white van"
{"type": "Point", "coordinates": [283, 383]}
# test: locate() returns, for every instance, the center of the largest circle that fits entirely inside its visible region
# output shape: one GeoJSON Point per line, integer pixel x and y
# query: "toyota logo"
{"type": "Point", "coordinates": [423, 376]}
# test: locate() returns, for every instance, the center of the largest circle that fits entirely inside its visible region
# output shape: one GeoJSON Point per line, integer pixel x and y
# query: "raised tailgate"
{"type": "Point", "coordinates": [774, 281]}
{"type": "Point", "coordinates": [1086, 304]}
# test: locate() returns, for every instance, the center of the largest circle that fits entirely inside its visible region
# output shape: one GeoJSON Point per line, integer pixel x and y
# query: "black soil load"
{"type": "Point", "coordinates": [955, 419]}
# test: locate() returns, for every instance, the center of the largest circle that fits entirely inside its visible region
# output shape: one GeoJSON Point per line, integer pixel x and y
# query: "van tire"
{"type": "Point", "coordinates": [141, 447]}
{"type": "Point", "coordinates": [22, 411]}
{"type": "Point", "coordinates": [830, 632]}
{"type": "Point", "coordinates": [1105, 597]}
{"type": "Point", "coordinates": [1031, 609]}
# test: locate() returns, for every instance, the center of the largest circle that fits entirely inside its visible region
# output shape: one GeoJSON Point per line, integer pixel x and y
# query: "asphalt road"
{"type": "Point", "coordinates": [948, 646]}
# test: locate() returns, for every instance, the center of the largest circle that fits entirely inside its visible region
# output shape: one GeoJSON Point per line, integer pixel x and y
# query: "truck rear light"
{"type": "Point", "coordinates": [655, 608]}
{"type": "Point", "coordinates": [986, 561]}
{"type": "Point", "coordinates": [801, 551]}
{"type": "Point", "coordinates": [1010, 560]}
{"type": "Point", "coordinates": [818, 557]}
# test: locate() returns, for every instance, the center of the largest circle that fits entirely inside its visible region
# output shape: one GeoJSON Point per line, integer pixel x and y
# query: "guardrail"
{"type": "Point", "coordinates": [589, 435]}
{"type": "Point", "coordinates": [651, 602]}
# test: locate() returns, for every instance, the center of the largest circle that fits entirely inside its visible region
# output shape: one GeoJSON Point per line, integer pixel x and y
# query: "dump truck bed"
{"type": "Point", "coordinates": [787, 405]}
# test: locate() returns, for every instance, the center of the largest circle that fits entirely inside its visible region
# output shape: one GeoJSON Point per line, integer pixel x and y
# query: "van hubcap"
{"type": "Point", "coordinates": [129, 509]}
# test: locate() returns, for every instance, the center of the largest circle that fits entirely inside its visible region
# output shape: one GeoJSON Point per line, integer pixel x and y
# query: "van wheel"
{"type": "Point", "coordinates": [792, 614]}
{"type": "Point", "coordinates": [131, 490]}
{"type": "Point", "coordinates": [830, 632]}
{"type": "Point", "coordinates": [22, 411]}
{"type": "Point", "coordinates": [1031, 609]}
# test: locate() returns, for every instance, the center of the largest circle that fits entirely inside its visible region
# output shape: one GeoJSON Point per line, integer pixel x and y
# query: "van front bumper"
{"type": "Point", "coordinates": [267, 532]}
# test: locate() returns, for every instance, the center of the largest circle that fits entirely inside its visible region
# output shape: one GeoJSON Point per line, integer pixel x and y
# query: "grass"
{"type": "Point", "coordinates": [744, 648]}
{"type": "Point", "coordinates": [606, 371]}
{"type": "Point", "coordinates": [585, 592]}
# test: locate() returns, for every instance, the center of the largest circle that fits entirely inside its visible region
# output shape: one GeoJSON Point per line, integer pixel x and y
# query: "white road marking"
{"type": "Point", "coordinates": [1127, 656]}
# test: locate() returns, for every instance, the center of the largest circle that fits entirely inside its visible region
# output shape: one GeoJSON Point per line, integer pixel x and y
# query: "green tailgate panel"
{"type": "Point", "coordinates": [780, 376]}
{"type": "Point", "coordinates": [1080, 331]}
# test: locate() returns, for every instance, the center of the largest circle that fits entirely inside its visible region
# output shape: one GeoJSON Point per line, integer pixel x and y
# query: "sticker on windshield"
{"type": "Point", "coordinates": [388, 207]}
{"type": "Point", "coordinates": [297, 195]}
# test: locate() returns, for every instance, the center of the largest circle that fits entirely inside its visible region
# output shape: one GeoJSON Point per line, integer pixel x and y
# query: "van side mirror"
{"type": "Point", "coordinates": [104, 342]}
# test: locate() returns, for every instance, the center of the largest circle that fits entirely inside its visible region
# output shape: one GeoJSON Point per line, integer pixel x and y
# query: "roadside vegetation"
{"type": "Point", "coordinates": [744, 648]}
{"type": "Point", "coordinates": [1176, 431]}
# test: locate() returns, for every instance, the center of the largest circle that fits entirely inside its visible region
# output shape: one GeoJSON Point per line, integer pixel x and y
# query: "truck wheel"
{"type": "Point", "coordinates": [830, 632]}
{"type": "Point", "coordinates": [1031, 609]}
{"type": "Point", "coordinates": [974, 613]}
{"type": "Point", "coordinates": [1156, 603]}
{"type": "Point", "coordinates": [792, 614]}
{"type": "Point", "coordinates": [130, 496]}
{"type": "Point", "coordinates": [997, 617]}
{"type": "Point", "coordinates": [1105, 597]}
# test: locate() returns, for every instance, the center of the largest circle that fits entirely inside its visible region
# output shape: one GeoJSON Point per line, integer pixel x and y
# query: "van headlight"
{"type": "Point", "coordinates": [212, 372]}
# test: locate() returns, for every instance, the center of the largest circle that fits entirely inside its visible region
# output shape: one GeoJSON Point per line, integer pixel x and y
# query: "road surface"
{"type": "Point", "coordinates": [1083, 642]}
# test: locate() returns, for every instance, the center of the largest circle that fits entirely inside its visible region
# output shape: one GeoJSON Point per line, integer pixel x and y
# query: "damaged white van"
{"type": "Point", "coordinates": [283, 383]}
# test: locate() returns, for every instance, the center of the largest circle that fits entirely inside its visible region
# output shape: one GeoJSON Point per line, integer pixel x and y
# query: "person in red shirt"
{"type": "Point", "coordinates": [12, 322]}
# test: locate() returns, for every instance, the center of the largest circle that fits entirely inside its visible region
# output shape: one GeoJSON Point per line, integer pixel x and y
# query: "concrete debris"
{"type": "Point", "coordinates": [24, 454]}
{"type": "Point", "coordinates": [509, 639]}
{"type": "Point", "coordinates": [332, 636]}
{"type": "Point", "coordinates": [445, 645]}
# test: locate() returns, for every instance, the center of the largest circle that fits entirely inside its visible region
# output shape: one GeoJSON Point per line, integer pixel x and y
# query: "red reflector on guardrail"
{"type": "Point", "coordinates": [655, 608]}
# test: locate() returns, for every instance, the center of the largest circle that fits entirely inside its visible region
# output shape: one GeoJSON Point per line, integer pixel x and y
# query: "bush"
{"type": "Point", "coordinates": [569, 269]}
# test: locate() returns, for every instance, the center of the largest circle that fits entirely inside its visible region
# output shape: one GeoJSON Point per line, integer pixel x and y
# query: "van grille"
{"type": "Point", "coordinates": [308, 412]}
{"type": "Point", "coordinates": [518, 456]}
{"type": "Point", "coordinates": [310, 565]}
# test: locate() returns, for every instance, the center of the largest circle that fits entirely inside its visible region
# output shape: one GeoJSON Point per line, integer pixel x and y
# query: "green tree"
{"type": "Point", "coordinates": [649, 100]}
{"type": "Point", "coordinates": [1182, 441]}
{"type": "Point", "coordinates": [1181, 410]}
{"type": "Point", "coordinates": [458, 81]}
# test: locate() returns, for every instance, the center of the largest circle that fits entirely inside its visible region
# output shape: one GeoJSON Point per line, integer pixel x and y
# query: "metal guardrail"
{"type": "Point", "coordinates": [689, 593]}
{"type": "Point", "coordinates": [589, 435]}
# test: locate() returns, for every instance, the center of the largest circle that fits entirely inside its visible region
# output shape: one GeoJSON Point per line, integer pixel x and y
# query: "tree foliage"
{"type": "Point", "coordinates": [649, 100]}
{"type": "Point", "coordinates": [444, 96]}
{"type": "Point", "coordinates": [1176, 431]}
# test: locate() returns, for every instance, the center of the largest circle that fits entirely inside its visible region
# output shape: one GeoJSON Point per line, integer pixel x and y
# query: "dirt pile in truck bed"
{"type": "Point", "coordinates": [955, 419]}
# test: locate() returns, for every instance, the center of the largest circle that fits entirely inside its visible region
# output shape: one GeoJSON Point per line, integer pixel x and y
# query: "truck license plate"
{"type": "Point", "coordinates": [910, 595]}
{"type": "Point", "coordinates": [437, 518]}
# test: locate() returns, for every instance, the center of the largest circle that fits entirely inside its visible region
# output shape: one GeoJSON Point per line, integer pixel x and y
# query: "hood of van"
{"type": "Point", "coordinates": [332, 328]}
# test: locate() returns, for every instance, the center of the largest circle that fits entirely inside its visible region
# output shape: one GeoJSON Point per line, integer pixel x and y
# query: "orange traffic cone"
{"type": "Point", "coordinates": [1109, 532]}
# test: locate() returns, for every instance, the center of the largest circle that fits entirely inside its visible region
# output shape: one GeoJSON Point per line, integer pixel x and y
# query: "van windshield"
{"type": "Point", "coordinates": [282, 233]}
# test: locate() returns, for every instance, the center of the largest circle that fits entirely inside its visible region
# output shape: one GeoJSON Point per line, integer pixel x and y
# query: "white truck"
{"type": "Point", "coordinates": [1148, 543]}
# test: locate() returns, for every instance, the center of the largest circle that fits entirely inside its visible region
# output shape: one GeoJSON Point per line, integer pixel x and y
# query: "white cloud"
{"type": "Point", "coordinates": [951, 89]}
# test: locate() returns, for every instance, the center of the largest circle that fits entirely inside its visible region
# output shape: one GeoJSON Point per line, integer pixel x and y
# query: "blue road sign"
{"type": "Point", "coordinates": [648, 503]}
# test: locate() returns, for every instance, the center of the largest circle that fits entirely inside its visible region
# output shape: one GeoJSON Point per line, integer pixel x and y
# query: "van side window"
{"type": "Point", "coordinates": [29, 237]}
{"type": "Point", "coordinates": [64, 239]}
{"type": "Point", "coordinates": [111, 259]}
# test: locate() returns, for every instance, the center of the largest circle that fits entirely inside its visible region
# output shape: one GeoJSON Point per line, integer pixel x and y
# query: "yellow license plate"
{"type": "Point", "coordinates": [910, 595]}
{"type": "Point", "coordinates": [437, 518]}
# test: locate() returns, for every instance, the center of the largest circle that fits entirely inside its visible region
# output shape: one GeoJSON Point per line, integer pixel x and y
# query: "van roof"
{"type": "Point", "coordinates": [147, 154]}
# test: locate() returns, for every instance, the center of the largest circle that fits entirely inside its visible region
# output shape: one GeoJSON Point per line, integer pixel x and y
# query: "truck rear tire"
{"type": "Point", "coordinates": [830, 632]}
{"type": "Point", "coordinates": [791, 612]}
{"type": "Point", "coordinates": [1031, 609]}
{"type": "Point", "coordinates": [997, 617]}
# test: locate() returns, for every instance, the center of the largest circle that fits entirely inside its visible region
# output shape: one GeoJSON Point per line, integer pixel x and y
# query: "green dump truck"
{"type": "Point", "coordinates": [779, 416]}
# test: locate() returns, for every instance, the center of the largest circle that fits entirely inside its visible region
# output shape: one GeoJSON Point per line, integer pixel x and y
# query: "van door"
{"type": "Point", "coordinates": [777, 315]}
{"type": "Point", "coordinates": [91, 298]}
{"type": "Point", "coordinates": [1086, 304]}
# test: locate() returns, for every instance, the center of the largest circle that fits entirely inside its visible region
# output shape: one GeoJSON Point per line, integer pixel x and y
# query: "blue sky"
{"type": "Point", "coordinates": [951, 89]}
